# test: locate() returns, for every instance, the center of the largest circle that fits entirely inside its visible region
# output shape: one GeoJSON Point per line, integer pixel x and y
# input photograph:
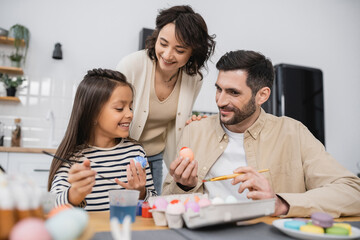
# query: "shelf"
{"type": "Point", "coordinates": [11, 70]}
{"type": "Point", "coordinates": [13, 99]}
{"type": "Point", "coordinates": [9, 41]}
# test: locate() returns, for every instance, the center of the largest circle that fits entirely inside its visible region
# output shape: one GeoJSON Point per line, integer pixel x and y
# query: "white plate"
{"type": "Point", "coordinates": [279, 224]}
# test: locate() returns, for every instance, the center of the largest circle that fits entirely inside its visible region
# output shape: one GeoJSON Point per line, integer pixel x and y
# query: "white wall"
{"type": "Point", "coordinates": [323, 34]}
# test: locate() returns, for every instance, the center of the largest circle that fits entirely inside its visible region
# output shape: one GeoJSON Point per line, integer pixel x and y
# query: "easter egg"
{"type": "Point", "coordinates": [141, 160]}
{"type": "Point", "coordinates": [186, 152]}
{"type": "Point", "coordinates": [68, 224]}
{"type": "Point", "coordinates": [160, 203]}
{"type": "Point", "coordinates": [58, 209]}
{"type": "Point", "coordinates": [175, 208]}
{"type": "Point", "coordinates": [191, 205]}
{"type": "Point", "coordinates": [230, 199]}
{"type": "Point", "coordinates": [30, 229]}
{"type": "Point", "coordinates": [204, 202]}
{"type": "Point", "coordinates": [217, 200]}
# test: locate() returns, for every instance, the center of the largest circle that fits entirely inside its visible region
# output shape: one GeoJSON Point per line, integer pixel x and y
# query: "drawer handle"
{"type": "Point", "coordinates": [41, 170]}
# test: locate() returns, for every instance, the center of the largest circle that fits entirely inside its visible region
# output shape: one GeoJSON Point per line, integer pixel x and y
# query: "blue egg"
{"type": "Point", "coordinates": [294, 224]}
{"type": "Point", "coordinates": [141, 160]}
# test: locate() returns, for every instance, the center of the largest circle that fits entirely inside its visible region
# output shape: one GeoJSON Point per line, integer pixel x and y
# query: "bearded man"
{"type": "Point", "coordinates": [303, 178]}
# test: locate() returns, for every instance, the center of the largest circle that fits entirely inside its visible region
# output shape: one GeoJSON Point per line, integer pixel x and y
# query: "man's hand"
{"type": "Point", "coordinates": [184, 172]}
{"type": "Point", "coordinates": [82, 179]}
{"type": "Point", "coordinates": [136, 177]}
{"type": "Point", "coordinates": [259, 188]}
{"type": "Point", "coordinates": [195, 118]}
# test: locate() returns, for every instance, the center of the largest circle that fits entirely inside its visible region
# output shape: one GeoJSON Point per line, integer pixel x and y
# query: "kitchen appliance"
{"type": "Point", "coordinates": [298, 93]}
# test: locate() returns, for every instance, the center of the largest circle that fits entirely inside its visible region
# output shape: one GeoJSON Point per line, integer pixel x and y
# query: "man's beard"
{"type": "Point", "coordinates": [240, 115]}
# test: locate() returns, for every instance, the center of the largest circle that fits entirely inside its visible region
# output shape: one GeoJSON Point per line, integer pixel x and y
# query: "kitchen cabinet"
{"type": "Point", "coordinates": [4, 160]}
{"type": "Point", "coordinates": [36, 166]}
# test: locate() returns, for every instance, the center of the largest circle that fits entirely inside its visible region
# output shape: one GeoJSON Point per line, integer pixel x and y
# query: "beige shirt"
{"type": "Point", "coordinates": [301, 171]}
{"type": "Point", "coordinates": [161, 113]}
{"type": "Point", "coordinates": [137, 67]}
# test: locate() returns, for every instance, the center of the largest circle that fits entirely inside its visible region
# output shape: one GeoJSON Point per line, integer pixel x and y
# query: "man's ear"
{"type": "Point", "coordinates": [263, 95]}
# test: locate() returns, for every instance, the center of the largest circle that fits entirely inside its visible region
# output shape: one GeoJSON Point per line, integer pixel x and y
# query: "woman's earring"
{"type": "Point", "coordinates": [95, 123]}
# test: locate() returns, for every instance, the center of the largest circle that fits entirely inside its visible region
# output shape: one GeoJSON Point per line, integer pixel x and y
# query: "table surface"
{"type": "Point", "coordinates": [100, 222]}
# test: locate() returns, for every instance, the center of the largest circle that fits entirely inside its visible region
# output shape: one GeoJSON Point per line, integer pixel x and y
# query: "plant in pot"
{"type": "Point", "coordinates": [11, 83]}
{"type": "Point", "coordinates": [21, 35]}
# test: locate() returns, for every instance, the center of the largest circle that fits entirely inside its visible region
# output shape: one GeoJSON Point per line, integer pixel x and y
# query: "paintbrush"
{"type": "Point", "coordinates": [70, 162]}
{"type": "Point", "coordinates": [229, 176]}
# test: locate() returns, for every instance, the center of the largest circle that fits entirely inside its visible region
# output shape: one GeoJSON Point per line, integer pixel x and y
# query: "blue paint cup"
{"type": "Point", "coordinates": [123, 202]}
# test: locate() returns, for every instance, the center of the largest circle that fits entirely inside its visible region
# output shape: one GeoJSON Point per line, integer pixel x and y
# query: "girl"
{"type": "Point", "coordinates": [97, 144]}
{"type": "Point", "coordinates": [167, 78]}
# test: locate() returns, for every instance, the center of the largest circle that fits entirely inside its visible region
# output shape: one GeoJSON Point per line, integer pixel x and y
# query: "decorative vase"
{"type": "Point", "coordinates": [11, 91]}
{"type": "Point", "coordinates": [16, 64]}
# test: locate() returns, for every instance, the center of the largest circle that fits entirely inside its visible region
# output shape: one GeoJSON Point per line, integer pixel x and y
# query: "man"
{"type": "Point", "coordinates": [242, 138]}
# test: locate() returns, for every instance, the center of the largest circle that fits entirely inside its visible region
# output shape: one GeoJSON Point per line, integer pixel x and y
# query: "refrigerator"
{"type": "Point", "coordinates": [298, 93]}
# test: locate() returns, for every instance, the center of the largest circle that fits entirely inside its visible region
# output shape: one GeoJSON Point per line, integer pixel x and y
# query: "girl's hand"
{"type": "Point", "coordinates": [82, 179]}
{"type": "Point", "coordinates": [136, 176]}
{"type": "Point", "coordinates": [195, 118]}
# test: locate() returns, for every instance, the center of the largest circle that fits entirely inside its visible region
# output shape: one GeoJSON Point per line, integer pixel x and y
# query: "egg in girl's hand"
{"type": "Point", "coordinates": [186, 152]}
{"type": "Point", "coordinates": [140, 160]}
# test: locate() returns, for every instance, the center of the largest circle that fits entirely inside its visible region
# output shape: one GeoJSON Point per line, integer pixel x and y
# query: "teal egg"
{"type": "Point", "coordinates": [68, 224]}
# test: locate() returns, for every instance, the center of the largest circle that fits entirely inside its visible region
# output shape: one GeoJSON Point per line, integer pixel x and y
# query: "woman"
{"type": "Point", "coordinates": [167, 79]}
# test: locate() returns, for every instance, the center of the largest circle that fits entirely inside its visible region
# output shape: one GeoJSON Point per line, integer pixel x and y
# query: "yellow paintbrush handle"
{"type": "Point", "coordinates": [225, 177]}
{"type": "Point", "coordinates": [233, 175]}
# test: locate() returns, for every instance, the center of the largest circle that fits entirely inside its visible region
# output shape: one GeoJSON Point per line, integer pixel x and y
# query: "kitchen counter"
{"type": "Point", "coordinates": [26, 149]}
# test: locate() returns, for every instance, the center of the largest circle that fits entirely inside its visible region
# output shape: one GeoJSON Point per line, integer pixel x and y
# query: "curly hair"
{"type": "Point", "coordinates": [191, 30]}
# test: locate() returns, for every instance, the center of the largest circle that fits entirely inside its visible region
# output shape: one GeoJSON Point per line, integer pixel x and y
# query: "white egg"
{"type": "Point", "coordinates": [68, 224]}
{"type": "Point", "coordinates": [231, 199]}
{"type": "Point", "coordinates": [217, 200]}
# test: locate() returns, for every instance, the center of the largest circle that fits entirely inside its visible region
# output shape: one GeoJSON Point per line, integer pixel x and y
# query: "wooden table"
{"type": "Point", "coordinates": [100, 222]}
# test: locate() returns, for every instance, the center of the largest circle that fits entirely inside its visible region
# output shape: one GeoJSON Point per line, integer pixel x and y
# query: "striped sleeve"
{"type": "Point", "coordinates": [109, 163]}
{"type": "Point", "coordinates": [60, 186]}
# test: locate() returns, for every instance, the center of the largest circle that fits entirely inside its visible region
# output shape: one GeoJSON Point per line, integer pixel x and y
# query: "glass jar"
{"type": "Point", "coordinates": [16, 133]}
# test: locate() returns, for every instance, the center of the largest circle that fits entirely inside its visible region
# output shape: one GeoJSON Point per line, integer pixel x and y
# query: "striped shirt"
{"type": "Point", "coordinates": [108, 162]}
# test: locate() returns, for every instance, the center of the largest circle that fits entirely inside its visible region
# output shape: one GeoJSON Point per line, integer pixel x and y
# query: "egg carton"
{"type": "Point", "coordinates": [180, 197]}
{"type": "Point", "coordinates": [229, 212]}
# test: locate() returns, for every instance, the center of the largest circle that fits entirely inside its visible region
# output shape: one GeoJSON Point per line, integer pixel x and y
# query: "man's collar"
{"type": "Point", "coordinates": [255, 129]}
{"type": "Point", "coordinates": [220, 133]}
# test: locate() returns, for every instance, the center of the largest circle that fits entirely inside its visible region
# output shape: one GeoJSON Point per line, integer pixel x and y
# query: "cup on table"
{"type": "Point", "coordinates": [123, 202]}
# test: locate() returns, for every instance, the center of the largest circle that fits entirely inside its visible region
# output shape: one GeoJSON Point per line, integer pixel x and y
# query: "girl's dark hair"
{"type": "Point", "coordinates": [259, 68]}
{"type": "Point", "coordinates": [91, 95]}
{"type": "Point", "coordinates": [190, 30]}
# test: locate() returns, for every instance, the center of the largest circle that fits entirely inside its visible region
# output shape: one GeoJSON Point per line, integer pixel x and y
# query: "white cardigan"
{"type": "Point", "coordinates": [138, 68]}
